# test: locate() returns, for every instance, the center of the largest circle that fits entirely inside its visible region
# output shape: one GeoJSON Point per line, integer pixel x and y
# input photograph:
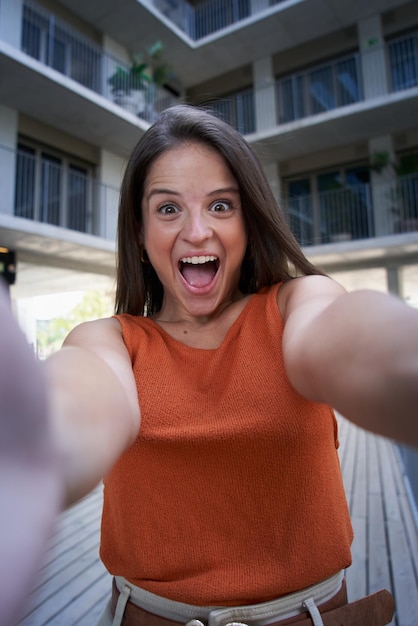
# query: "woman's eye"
{"type": "Point", "coordinates": [221, 207]}
{"type": "Point", "coordinates": [168, 209]}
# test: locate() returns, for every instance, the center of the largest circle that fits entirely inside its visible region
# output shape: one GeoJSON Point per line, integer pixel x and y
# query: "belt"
{"type": "Point", "coordinates": [374, 610]}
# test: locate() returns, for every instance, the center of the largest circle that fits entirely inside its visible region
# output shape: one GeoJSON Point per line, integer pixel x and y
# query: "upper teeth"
{"type": "Point", "coordinates": [195, 260]}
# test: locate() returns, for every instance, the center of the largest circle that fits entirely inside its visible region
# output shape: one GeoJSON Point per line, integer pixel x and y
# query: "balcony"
{"type": "Point", "coordinates": [329, 96]}
{"type": "Point", "coordinates": [318, 89]}
{"type": "Point", "coordinates": [201, 19]}
{"type": "Point", "coordinates": [64, 195]}
{"type": "Point", "coordinates": [403, 62]}
{"type": "Point", "coordinates": [49, 192]}
{"type": "Point", "coordinates": [238, 110]}
{"type": "Point", "coordinates": [355, 212]}
{"type": "Point", "coordinates": [57, 217]}
{"type": "Point", "coordinates": [54, 43]}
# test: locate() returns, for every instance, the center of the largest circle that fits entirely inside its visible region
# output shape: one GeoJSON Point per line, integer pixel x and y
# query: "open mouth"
{"type": "Point", "coordinates": [199, 271]}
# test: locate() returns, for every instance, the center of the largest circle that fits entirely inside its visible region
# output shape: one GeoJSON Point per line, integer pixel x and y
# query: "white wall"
{"type": "Point", "coordinates": [11, 21]}
{"type": "Point", "coordinates": [8, 132]}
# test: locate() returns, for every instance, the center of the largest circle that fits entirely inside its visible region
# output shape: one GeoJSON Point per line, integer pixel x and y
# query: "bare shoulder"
{"type": "Point", "coordinates": [103, 337]}
{"type": "Point", "coordinates": [315, 291]}
{"type": "Point", "coordinates": [104, 331]}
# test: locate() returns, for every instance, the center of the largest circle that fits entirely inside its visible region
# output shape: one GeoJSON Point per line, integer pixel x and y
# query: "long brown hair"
{"type": "Point", "coordinates": [273, 252]}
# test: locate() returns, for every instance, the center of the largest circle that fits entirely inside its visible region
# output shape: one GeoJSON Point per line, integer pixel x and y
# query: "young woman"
{"type": "Point", "coordinates": [205, 402]}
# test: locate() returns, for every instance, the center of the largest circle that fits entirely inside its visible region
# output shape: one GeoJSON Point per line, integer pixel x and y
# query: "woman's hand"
{"type": "Point", "coordinates": [31, 486]}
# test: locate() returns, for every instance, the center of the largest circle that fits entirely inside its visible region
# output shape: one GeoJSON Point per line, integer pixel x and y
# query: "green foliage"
{"type": "Point", "coordinates": [147, 67]}
{"type": "Point", "coordinates": [379, 161]}
{"type": "Point", "coordinates": [408, 164]}
{"type": "Point", "coordinates": [124, 81]}
{"type": "Point", "coordinates": [51, 333]}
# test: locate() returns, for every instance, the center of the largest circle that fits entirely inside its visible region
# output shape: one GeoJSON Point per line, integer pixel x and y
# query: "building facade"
{"type": "Point", "coordinates": [326, 93]}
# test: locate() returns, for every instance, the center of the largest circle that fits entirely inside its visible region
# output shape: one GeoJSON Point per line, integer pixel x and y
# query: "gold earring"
{"type": "Point", "coordinates": [144, 256]}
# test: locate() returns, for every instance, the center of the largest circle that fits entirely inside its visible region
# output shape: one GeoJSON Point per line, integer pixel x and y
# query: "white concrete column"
{"type": "Point", "coordinates": [8, 145]}
{"type": "Point", "coordinates": [11, 21]}
{"type": "Point", "coordinates": [272, 172]}
{"type": "Point", "coordinates": [373, 59]}
{"type": "Point", "coordinates": [265, 97]}
{"type": "Point", "coordinates": [394, 280]}
{"type": "Point", "coordinates": [110, 174]}
{"type": "Point", "coordinates": [383, 185]}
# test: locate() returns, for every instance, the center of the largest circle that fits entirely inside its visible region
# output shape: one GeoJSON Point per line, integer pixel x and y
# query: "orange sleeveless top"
{"type": "Point", "coordinates": [232, 492]}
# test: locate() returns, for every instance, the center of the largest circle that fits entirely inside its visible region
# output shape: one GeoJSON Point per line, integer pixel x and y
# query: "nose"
{"type": "Point", "coordinates": [196, 228]}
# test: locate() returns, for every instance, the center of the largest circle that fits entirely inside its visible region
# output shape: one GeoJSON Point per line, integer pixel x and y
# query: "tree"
{"type": "Point", "coordinates": [50, 334]}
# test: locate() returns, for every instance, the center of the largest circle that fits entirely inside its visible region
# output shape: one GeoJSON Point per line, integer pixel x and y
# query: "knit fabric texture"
{"type": "Point", "coordinates": [232, 493]}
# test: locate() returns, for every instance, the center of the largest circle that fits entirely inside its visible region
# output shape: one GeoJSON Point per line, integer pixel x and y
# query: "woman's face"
{"type": "Point", "coordinates": [193, 230]}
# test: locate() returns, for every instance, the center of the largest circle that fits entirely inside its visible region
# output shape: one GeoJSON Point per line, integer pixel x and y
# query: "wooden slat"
{"type": "Point", "coordinates": [72, 580]}
{"type": "Point", "coordinates": [379, 571]}
{"type": "Point", "coordinates": [403, 574]}
{"type": "Point", "coordinates": [357, 574]}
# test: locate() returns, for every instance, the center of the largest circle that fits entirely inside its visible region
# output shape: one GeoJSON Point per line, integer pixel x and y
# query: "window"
{"type": "Point", "coordinates": [52, 42]}
{"type": "Point", "coordinates": [238, 110]}
{"type": "Point", "coordinates": [25, 183]}
{"type": "Point", "coordinates": [406, 205]}
{"type": "Point", "coordinates": [50, 189]}
{"type": "Point", "coordinates": [77, 196]}
{"type": "Point", "coordinates": [300, 210]}
{"type": "Point", "coordinates": [403, 57]}
{"type": "Point", "coordinates": [319, 88]}
{"type": "Point", "coordinates": [53, 188]}
{"type": "Point", "coordinates": [331, 206]}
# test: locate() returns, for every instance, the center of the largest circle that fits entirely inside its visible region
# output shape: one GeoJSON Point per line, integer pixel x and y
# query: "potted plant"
{"type": "Point", "coordinates": [134, 87]}
{"type": "Point", "coordinates": [128, 88]}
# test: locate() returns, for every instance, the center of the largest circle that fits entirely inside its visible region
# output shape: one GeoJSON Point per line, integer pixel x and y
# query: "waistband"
{"type": "Point", "coordinates": [261, 614]}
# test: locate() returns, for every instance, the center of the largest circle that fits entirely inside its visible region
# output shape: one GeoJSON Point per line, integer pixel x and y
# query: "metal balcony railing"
{"type": "Point", "coordinates": [238, 110]}
{"type": "Point", "coordinates": [56, 44]}
{"type": "Point", "coordinates": [355, 212]}
{"type": "Point", "coordinates": [51, 193]}
{"type": "Point", "coordinates": [201, 19]}
{"type": "Point", "coordinates": [314, 90]}
{"type": "Point", "coordinates": [63, 196]}
{"type": "Point", "coordinates": [319, 88]}
{"type": "Point", "coordinates": [403, 62]}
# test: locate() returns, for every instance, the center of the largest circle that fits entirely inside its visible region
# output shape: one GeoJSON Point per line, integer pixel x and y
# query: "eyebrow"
{"type": "Point", "coordinates": [162, 190]}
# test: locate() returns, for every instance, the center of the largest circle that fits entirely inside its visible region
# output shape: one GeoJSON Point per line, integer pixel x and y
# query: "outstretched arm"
{"type": "Point", "coordinates": [62, 426]}
{"type": "Point", "coordinates": [357, 352]}
{"type": "Point", "coordinates": [31, 486]}
{"type": "Point", "coordinates": [93, 404]}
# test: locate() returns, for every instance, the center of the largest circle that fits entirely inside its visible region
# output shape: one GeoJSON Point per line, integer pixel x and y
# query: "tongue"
{"type": "Point", "coordinates": [199, 275]}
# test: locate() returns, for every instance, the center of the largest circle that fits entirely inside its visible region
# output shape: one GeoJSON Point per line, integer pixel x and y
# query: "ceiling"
{"type": "Point", "coordinates": [52, 260]}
